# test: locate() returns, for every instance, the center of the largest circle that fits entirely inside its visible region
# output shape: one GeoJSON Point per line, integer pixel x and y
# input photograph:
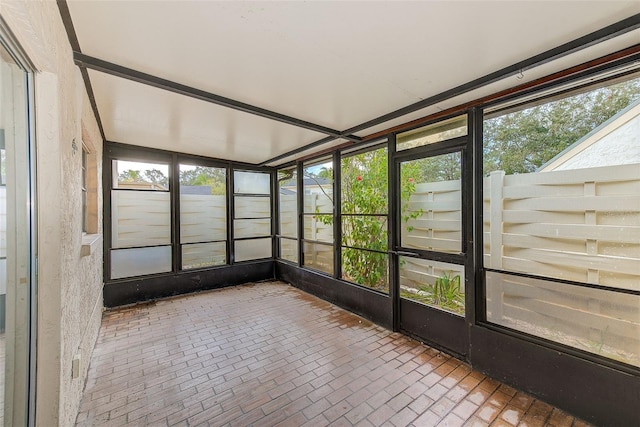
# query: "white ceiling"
{"type": "Point", "coordinates": [336, 64]}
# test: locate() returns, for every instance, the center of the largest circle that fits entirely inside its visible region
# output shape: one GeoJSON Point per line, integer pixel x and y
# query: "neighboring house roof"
{"type": "Point", "coordinates": [195, 189]}
{"type": "Point", "coordinates": [307, 181]}
{"type": "Point", "coordinates": [614, 142]}
{"type": "Point", "coordinates": [287, 192]}
{"type": "Point", "coordinates": [141, 186]}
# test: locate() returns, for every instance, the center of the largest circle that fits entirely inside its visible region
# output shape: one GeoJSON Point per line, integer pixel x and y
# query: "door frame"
{"type": "Point", "coordinates": [438, 328]}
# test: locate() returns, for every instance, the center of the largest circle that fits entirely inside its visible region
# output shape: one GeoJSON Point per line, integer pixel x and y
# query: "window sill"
{"type": "Point", "coordinates": [89, 244]}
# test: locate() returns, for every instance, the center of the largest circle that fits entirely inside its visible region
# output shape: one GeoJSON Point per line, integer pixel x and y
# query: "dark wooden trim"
{"type": "Point", "coordinates": [63, 7]}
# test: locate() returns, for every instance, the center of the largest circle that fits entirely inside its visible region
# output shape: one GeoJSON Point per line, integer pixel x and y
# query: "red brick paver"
{"type": "Point", "coordinates": [269, 354]}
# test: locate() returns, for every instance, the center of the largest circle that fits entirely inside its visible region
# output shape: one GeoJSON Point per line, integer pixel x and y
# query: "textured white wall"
{"type": "Point", "coordinates": [69, 286]}
{"type": "Point", "coordinates": [620, 147]}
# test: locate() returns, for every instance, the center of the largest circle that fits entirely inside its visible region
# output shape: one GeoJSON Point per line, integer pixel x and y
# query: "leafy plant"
{"type": "Point", "coordinates": [365, 215]}
{"type": "Point", "coordinates": [447, 293]}
{"type": "Point", "coordinates": [444, 293]}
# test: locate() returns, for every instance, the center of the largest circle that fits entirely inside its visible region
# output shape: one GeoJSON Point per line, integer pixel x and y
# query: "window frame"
{"type": "Point", "coordinates": [563, 88]}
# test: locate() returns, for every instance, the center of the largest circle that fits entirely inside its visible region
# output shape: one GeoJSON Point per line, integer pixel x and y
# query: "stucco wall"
{"type": "Point", "coordinates": [69, 284]}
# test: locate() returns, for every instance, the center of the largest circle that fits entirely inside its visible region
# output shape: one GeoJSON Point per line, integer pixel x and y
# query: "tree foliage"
{"type": "Point", "coordinates": [148, 176]}
{"type": "Point", "coordinates": [522, 141]}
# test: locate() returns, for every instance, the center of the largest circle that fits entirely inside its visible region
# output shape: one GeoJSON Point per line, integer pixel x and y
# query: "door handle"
{"type": "Point", "coordinates": [404, 253]}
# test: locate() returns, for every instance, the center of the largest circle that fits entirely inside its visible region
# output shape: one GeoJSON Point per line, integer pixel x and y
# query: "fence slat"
{"type": "Point", "coordinates": [609, 233]}
{"type": "Point", "coordinates": [616, 264]}
{"type": "Point", "coordinates": [626, 203]}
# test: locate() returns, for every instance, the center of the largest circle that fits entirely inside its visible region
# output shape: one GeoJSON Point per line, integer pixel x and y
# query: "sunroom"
{"type": "Point", "coordinates": [463, 174]}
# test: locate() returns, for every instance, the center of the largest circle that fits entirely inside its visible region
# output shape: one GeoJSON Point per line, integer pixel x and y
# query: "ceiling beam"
{"type": "Point", "coordinates": [158, 82]}
{"type": "Point", "coordinates": [298, 150]}
{"type": "Point", "coordinates": [63, 7]}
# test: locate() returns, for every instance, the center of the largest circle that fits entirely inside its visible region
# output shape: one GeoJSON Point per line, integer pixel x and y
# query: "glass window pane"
{"type": "Point", "coordinates": [251, 227]}
{"type": "Point", "coordinates": [251, 182]}
{"type": "Point", "coordinates": [252, 249]}
{"type": "Point", "coordinates": [288, 202]}
{"type": "Point", "coordinates": [140, 218]}
{"type": "Point", "coordinates": [318, 187]}
{"type": "Point", "coordinates": [370, 269]}
{"type": "Point", "coordinates": [16, 233]}
{"type": "Point", "coordinates": [601, 322]}
{"type": "Point", "coordinates": [367, 232]}
{"type": "Point", "coordinates": [430, 134]}
{"type": "Point", "coordinates": [252, 207]}
{"type": "Point", "coordinates": [431, 200]}
{"type": "Point", "coordinates": [561, 187]}
{"type": "Point", "coordinates": [437, 284]}
{"type": "Point", "coordinates": [289, 250]}
{"type": "Point", "coordinates": [201, 255]}
{"type": "Point", "coordinates": [140, 175]}
{"type": "Point", "coordinates": [140, 261]}
{"type": "Point", "coordinates": [318, 256]}
{"type": "Point", "coordinates": [318, 227]}
{"type": "Point", "coordinates": [364, 183]}
{"type": "Point", "coordinates": [203, 204]}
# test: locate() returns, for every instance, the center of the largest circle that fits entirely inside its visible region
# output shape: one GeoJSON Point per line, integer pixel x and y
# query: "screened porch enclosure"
{"type": "Point", "coordinates": [490, 211]}
{"type": "Point", "coordinates": [385, 230]}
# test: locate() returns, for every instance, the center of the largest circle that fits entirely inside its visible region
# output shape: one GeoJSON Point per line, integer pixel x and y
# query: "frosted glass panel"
{"type": "Point", "coordinates": [203, 204]}
{"type": "Point", "coordinates": [594, 320]}
{"type": "Point", "coordinates": [289, 250]}
{"type": "Point", "coordinates": [140, 218]}
{"type": "Point", "coordinates": [288, 202]}
{"type": "Point", "coordinates": [251, 228]}
{"type": "Point", "coordinates": [318, 227]}
{"type": "Point", "coordinates": [203, 255]}
{"type": "Point", "coordinates": [252, 207]}
{"type": "Point", "coordinates": [251, 182]}
{"type": "Point", "coordinates": [253, 249]}
{"type": "Point", "coordinates": [202, 218]}
{"type": "Point", "coordinates": [318, 256]}
{"type": "Point", "coordinates": [140, 261]}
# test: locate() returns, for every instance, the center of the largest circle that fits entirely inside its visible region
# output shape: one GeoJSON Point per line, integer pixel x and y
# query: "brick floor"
{"type": "Point", "coordinates": [269, 354]}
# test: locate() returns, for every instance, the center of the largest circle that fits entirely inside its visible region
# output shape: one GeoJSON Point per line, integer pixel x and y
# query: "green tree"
{"type": "Point", "coordinates": [130, 175]}
{"type": "Point", "coordinates": [522, 141]}
{"type": "Point", "coordinates": [149, 176]}
{"type": "Point", "coordinates": [157, 177]}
